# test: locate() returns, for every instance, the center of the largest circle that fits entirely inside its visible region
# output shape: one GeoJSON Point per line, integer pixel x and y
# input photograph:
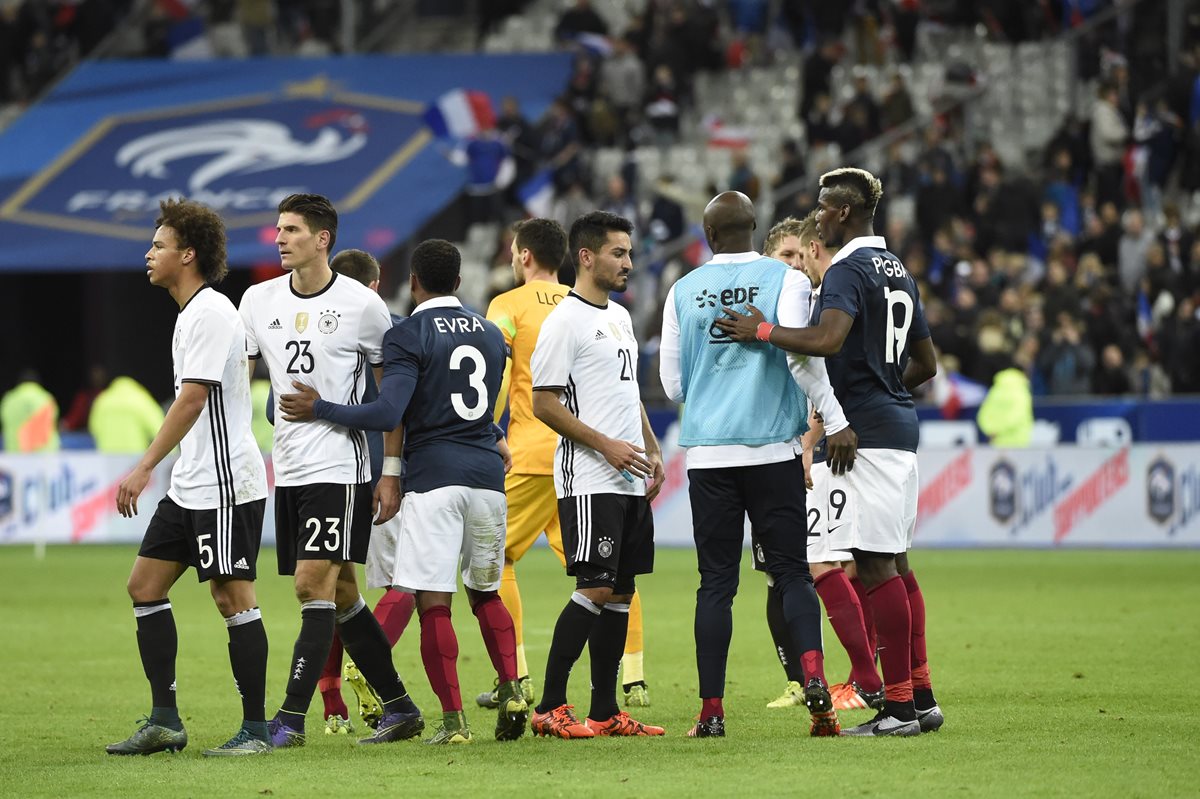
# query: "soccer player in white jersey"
{"type": "Point", "coordinates": [211, 517]}
{"type": "Point", "coordinates": [314, 325]}
{"type": "Point", "coordinates": [607, 469]}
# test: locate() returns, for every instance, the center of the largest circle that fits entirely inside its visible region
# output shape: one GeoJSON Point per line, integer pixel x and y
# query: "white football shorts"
{"type": "Point", "coordinates": [874, 506]}
{"type": "Point", "coordinates": [450, 531]}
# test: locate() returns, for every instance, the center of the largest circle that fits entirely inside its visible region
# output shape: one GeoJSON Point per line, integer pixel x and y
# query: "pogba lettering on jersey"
{"type": "Point", "coordinates": [888, 266]}
{"type": "Point", "coordinates": [461, 324]}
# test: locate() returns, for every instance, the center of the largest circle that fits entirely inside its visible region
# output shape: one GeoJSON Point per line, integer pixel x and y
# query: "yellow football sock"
{"type": "Point", "coordinates": [510, 595]}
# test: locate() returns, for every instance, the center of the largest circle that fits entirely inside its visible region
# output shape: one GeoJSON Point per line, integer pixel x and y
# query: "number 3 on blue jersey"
{"type": "Point", "coordinates": [896, 335]}
{"type": "Point", "coordinates": [465, 352]}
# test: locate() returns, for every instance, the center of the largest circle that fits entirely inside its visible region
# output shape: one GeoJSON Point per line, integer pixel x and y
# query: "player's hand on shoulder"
{"type": "Point", "coordinates": [298, 407]}
{"type": "Point", "coordinates": [386, 502]}
{"type": "Point", "coordinates": [741, 327]}
{"type": "Point", "coordinates": [626, 457]}
{"type": "Point", "coordinates": [841, 448]}
{"type": "Point", "coordinates": [130, 489]}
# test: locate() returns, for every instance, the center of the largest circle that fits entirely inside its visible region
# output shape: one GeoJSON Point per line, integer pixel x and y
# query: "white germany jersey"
{"type": "Point", "coordinates": [326, 340]}
{"type": "Point", "coordinates": [219, 464]}
{"type": "Point", "coordinates": [589, 353]}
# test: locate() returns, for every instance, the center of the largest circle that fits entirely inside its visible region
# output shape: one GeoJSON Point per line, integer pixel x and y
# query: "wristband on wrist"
{"type": "Point", "coordinates": [764, 331]}
{"type": "Point", "coordinates": [391, 466]}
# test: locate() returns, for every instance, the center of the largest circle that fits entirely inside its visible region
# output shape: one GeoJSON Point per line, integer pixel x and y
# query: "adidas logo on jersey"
{"type": "Point", "coordinates": [241, 564]}
{"type": "Point", "coordinates": [600, 335]}
{"type": "Point", "coordinates": [275, 325]}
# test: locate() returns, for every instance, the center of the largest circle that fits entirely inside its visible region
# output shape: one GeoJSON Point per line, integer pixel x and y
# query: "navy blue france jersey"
{"type": "Point", "coordinates": [454, 361]}
{"type": "Point", "coordinates": [872, 286]}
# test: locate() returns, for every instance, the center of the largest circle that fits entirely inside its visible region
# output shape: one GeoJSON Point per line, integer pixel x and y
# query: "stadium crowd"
{"type": "Point", "coordinates": [1080, 265]}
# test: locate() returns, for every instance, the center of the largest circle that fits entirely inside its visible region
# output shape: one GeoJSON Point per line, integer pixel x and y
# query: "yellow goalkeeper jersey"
{"type": "Point", "coordinates": [520, 313]}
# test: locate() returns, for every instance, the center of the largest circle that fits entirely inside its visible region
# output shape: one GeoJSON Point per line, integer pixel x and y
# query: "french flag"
{"type": "Point", "coordinates": [537, 193]}
{"type": "Point", "coordinates": [460, 114]}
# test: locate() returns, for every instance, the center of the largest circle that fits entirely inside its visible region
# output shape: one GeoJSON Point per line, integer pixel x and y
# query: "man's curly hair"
{"type": "Point", "coordinates": [200, 228]}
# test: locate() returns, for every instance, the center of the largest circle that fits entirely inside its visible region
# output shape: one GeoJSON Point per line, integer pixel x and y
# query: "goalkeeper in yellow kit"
{"type": "Point", "coordinates": [539, 247]}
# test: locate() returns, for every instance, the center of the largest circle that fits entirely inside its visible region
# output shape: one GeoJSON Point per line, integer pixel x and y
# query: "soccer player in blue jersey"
{"type": "Point", "coordinates": [876, 342]}
{"type": "Point", "coordinates": [442, 372]}
{"type": "Point", "coordinates": [745, 411]}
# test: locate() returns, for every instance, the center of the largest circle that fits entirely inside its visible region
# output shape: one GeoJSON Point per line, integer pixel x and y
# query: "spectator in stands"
{"type": "Point", "coordinates": [1177, 245]}
{"type": "Point", "coordinates": [76, 417]}
{"type": "Point", "coordinates": [559, 143]}
{"type": "Point", "coordinates": [897, 103]}
{"type": "Point", "coordinates": [791, 173]}
{"type": "Point", "coordinates": [580, 18]}
{"type": "Point", "coordinates": [818, 73]}
{"type": "Point", "coordinates": [1062, 190]}
{"type": "Point", "coordinates": [124, 418]}
{"type": "Point", "coordinates": [1180, 341]}
{"type": "Point", "coordinates": [1112, 378]}
{"type": "Point", "coordinates": [667, 221]}
{"type": "Point", "coordinates": [818, 121]}
{"type": "Point", "coordinates": [1067, 361]}
{"type": "Point", "coordinates": [1132, 248]}
{"type": "Point", "coordinates": [616, 200]}
{"type": "Point", "coordinates": [662, 106]}
{"type": "Point", "coordinates": [1108, 136]}
{"type": "Point", "coordinates": [490, 171]}
{"type": "Point", "coordinates": [257, 18]}
{"type": "Point", "coordinates": [864, 99]}
{"type": "Point", "coordinates": [521, 138]}
{"type": "Point", "coordinates": [29, 416]}
{"type": "Point", "coordinates": [226, 35]}
{"type": "Point", "coordinates": [1006, 414]}
{"type": "Point", "coordinates": [623, 82]}
{"type": "Point", "coordinates": [742, 178]}
{"type": "Point", "coordinates": [937, 200]}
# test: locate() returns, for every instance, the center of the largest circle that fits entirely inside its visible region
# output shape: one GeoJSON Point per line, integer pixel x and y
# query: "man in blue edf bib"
{"type": "Point", "coordinates": [745, 408]}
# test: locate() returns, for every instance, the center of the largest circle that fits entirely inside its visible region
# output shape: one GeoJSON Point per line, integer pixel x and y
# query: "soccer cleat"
{"type": "Point", "coordinates": [622, 725]}
{"type": "Point", "coordinates": [792, 696]}
{"type": "Point", "coordinates": [398, 726]}
{"type": "Point", "coordinates": [512, 711]}
{"type": "Point", "coordinates": [930, 719]}
{"type": "Point", "coordinates": [559, 723]}
{"type": "Point", "coordinates": [711, 727]}
{"type": "Point", "coordinates": [244, 743]}
{"type": "Point", "coordinates": [283, 736]}
{"type": "Point", "coordinates": [452, 730]}
{"type": "Point", "coordinates": [820, 706]}
{"type": "Point", "coordinates": [849, 696]}
{"type": "Point", "coordinates": [882, 725]}
{"type": "Point", "coordinates": [637, 695]}
{"type": "Point", "coordinates": [338, 725]}
{"type": "Point", "coordinates": [488, 700]}
{"type": "Point", "coordinates": [370, 709]}
{"type": "Point", "coordinates": [148, 739]}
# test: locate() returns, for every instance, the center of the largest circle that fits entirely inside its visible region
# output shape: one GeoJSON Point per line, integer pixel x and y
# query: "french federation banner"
{"type": "Point", "coordinates": [82, 172]}
{"type": "Point", "coordinates": [1067, 496]}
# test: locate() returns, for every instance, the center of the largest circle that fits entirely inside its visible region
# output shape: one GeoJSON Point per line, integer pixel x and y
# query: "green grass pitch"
{"type": "Point", "coordinates": [1061, 674]}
